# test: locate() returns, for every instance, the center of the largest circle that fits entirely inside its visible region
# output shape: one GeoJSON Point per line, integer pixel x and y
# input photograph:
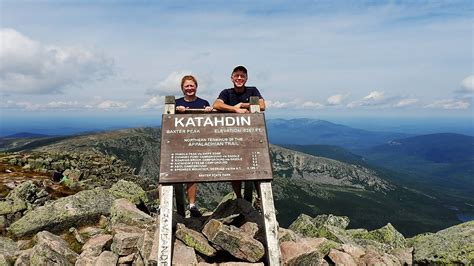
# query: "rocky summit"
{"type": "Point", "coordinates": [100, 227]}
{"type": "Point", "coordinates": [302, 183]}
{"type": "Point", "coordinates": [93, 200]}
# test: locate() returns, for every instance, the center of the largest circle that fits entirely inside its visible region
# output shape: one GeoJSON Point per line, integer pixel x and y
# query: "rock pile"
{"type": "Point", "coordinates": [85, 169]}
{"type": "Point", "coordinates": [113, 227]}
{"type": "Point", "coordinates": [103, 227]}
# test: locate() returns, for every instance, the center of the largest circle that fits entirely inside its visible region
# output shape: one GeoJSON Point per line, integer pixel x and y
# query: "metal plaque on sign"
{"type": "Point", "coordinates": [214, 147]}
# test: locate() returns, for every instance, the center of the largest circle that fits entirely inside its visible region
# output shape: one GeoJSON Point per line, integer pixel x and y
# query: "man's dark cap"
{"type": "Point", "coordinates": [240, 68]}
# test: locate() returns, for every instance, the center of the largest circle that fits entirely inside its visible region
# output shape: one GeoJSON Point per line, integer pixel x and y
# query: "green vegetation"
{"type": "Point", "coordinates": [411, 213]}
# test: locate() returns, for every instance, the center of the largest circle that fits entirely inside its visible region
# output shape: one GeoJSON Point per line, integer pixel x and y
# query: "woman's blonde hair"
{"type": "Point", "coordinates": [188, 77]}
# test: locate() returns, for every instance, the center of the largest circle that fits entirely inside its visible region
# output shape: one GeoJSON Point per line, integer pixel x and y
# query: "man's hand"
{"type": "Point", "coordinates": [241, 108]}
{"type": "Point", "coordinates": [241, 111]}
{"type": "Point", "coordinates": [208, 109]}
{"type": "Point", "coordinates": [181, 109]}
{"type": "Point", "coordinates": [245, 105]}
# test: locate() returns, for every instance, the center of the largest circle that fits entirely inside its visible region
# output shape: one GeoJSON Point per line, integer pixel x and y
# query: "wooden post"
{"type": "Point", "coordinates": [270, 223]}
{"type": "Point", "coordinates": [268, 208]}
{"type": "Point", "coordinates": [248, 185]}
{"type": "Point", "coordinates": [165, 246]}
{"type": "Point", "coordinates": [254, 104]}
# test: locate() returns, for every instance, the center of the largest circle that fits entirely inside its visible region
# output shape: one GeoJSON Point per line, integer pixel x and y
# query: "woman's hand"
{"type": "Point", "coordinates": [181, 109]}
{"type": "Point", "coordinates": [208, 109]}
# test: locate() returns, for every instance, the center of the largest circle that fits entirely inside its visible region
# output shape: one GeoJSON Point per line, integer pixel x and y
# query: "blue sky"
{"type": "Point", "coordinates": [308, 58]}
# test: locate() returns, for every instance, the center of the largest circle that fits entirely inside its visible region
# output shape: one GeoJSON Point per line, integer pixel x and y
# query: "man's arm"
{"type": "Point", "coordinates": [221, 106]}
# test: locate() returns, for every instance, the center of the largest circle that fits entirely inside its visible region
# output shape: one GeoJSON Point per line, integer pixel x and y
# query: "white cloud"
{"type": "Point", "coordinates": [171, 85]}
{"type": "Point", "coordinates": [276, 104]}
{"type": "Point", "coordinates": [55, 105]}
{"type": "Point", "coordinates": [31, 67]}
{"type": "Point", "coordinates": [155, 102]}
{"type": "Point", "coordinates": [293, 104]}
{"type": "Point", "coordinates": [20, 105]}
{"type": "Point", "coordinates": [62, 105]}
{"type": "Point", "coordinates": [406, 102]}
{"type": "Point", "coordinates": [109, 104]}
{"type": "Point", "coordinates": [450, 104]}
{"type": "Point", "coordinates": [336, 99]}
{"type": "Point", "coordinates": [311, 105]}
{"type": "Point", "coordinates": [467, 85]}
{"type": "Point", "coordinates": [375, 98]}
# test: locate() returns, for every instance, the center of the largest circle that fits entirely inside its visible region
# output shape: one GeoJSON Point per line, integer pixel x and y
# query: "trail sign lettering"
{"type": "Point", "coordinates": [214, 147]}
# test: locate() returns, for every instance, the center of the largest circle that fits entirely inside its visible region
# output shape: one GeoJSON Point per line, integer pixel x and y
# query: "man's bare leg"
{"type": "Point", "coordinates": [191, 191]}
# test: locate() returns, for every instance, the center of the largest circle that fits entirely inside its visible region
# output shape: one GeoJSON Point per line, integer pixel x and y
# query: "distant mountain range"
{"type": "Point", "coordinates": [441, 165]}
{"type": "Point", "coordinates": [310, 131]}
{"type": "Point", "coordinates": [443, 162]}
{"type": "Point", "coordinates": [436, 148]}
{"type": "Point", "coordinates": [25, 135]}
{"type": "Point", "coordinates": [329, 151]}
{"type": "Point", "coordinates": [302, 183]}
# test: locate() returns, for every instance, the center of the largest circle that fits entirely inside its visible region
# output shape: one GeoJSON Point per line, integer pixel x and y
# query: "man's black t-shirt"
{"type": "Point", "coordinates": [230, 97]}
{"type": "Point", "coordinates": [196, 104]}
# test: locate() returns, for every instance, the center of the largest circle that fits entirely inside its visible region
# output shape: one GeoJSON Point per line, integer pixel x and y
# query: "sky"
{"type": "Point", "coordinates": [308, 58]}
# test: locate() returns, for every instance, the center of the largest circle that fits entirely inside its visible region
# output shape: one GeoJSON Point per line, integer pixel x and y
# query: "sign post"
{"type": "Point", "coordinates": [166, 208]}
{"type": "Point", "coordinates": [215, 147]}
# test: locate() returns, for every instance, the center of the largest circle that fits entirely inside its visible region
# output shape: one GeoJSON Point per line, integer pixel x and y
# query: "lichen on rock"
{"type": "Point", "coordinates": [454, 245]}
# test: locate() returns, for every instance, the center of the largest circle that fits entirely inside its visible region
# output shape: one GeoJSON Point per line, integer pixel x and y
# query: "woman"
{"type": "Point", "coordinates": [191, 101]}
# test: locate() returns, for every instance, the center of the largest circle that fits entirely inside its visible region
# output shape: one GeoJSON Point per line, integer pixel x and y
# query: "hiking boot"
{"type": "Point", "coordinates": [257, 204]}
{"type": "Point", "coordinates": [194, 211]}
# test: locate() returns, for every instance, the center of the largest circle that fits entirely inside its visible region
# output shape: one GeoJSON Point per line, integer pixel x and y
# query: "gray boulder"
{"type": "Point", "coordinates": [26, 191]}
{"type": "Point", "coordinates": [286, 235]}
{"type": "Point", "coordinates": [454, 245]}
{"type": "Point", "coordinates": [128, 190]}
{"type": "Point", "coordinates": [306, 251]}
{"type": "Point", "coordinates": [385, 238]}
{"type": "Point", "coordinates": [195, 240]}
{"type": "Point", "coordinates": [11, 206]}
{"type": "Point", "coordinates": [234, 241]}
{"type": "Point", "coordinates": [125, 244]}
{"type": "Point", "coordinates": [376, 257]}
{"type": "Point", "coordinates": [183, 255]}
{"type": "Point", "coordinates": [19, 198]}
{"type": "Point", "coordinates": [322, 227]}
{"type": "Point", "coordinates": [23, 258]}
{"type": "Point", "coordinates": [8, 248]}
{"type": "Point", "coordinates": [51, 250]}
{"type": "Point", "coordinates": [107, 258]}
{"type": "Point", "coordinates": [236, 212]}
{"type": "Point", "coordinates": [125, 212]}
{"type": "Point", "coordinates": [97, 244]}
{"type": "Point", "coordinates": [332, 220]}
{"type": "Point", "coordinates": [305, 226]}
{"type": "Point", "coordinates": [341, 258]}
{"type": "Point", "coordinates": [83, 208]}
{"type": "Point", "coordinates": [145, 244]}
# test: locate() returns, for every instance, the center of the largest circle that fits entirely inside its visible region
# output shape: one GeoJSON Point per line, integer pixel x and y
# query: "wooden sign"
{"type": "Point", "coordinates": [214, 147]}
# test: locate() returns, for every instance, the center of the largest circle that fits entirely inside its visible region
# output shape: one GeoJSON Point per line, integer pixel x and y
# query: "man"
{"type": "Point", "coordinates": [236, 100]}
